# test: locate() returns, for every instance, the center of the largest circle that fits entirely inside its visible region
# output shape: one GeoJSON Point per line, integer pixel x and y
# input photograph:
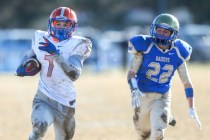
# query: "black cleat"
{"type": "Point", "coordinates": [172, 121]}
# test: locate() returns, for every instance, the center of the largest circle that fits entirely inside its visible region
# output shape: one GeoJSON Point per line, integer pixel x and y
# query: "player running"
{"type": "Point", "coordinates": [155, 59]}
{"type": "Point", "coordinates": [61, 55]}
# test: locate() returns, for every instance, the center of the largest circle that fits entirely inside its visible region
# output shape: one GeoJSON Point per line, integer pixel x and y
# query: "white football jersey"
{"type": "Point", "coordinates": [53, 82]}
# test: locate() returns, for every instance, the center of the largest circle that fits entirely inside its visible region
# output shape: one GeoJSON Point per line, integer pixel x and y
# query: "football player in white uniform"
{"type": "Point", "coordinates": [61, 55]}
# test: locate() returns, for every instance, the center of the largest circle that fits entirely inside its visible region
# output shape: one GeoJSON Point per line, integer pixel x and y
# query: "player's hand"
{"type": "Point", "coordinates": [136, 98]}
{"type": "Point", "coordinates": [22, 71]}
{"type": "Point", "coordinates": [48, 47]}
{"type": "Point", "coordinates": [193, 114]}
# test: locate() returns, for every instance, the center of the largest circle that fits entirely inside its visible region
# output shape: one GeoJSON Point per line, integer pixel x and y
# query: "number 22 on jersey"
{"type": "Point", "coordinates": [156, 69]}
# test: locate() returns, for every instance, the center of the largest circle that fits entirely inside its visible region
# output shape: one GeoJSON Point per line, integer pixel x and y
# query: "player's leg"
{"type": "Point", "coordinates": [159, 122]}
{"type": "Point", "coordinates": [141, 120]}
{"type": "Point", "coordinates": [41, 118]}
{"type": "Point", "coordinates": [64, 125]}
{"type": "Point", "coordinates": [160, 115]}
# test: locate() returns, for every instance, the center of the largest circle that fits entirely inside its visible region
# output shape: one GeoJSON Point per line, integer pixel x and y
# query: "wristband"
{"type": "Point", "coordinates": [189, 92]}
{"type": "Point", "coordinates": [133, 84]}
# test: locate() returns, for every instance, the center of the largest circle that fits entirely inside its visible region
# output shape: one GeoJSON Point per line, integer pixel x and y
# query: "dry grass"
{"type": "Point", "coordinates": [103, 107]}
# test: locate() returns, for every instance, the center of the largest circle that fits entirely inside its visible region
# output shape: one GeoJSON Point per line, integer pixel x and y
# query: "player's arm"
{"type": "Point", "coordinates": [29, 54]}
{"type": "Point", "coordinates": [134, 66]}
{"type": "Point", "coordinates": [22, 70]}
{"type": "Point", "coordinates": [131, 77]}
{"type": "Point", "coordinates": [136, 46]}
{"type": "Point", "coordinates": [184, 76]}
{"type": "Point", "coordinates": [73, 66]}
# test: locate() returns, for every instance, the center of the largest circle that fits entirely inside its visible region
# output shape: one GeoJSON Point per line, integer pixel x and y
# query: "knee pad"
{"type": "Point", "coordinates": [40, 128]}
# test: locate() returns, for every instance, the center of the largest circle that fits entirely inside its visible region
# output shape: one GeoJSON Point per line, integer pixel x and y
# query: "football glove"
{"type": "Point", "coordinates": [193, 114]}
{"type": "Point", "coordinates": [23, 71]}
{"type": "Point", "coordinates": [48, 47]}
{"type": "Point", "coordinates": [136, 98]}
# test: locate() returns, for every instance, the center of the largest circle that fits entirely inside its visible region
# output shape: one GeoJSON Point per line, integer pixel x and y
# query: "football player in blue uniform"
{"type": "Point", "coordinates": [155, 59]}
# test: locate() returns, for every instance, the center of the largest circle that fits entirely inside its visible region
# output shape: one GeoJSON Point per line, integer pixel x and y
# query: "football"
{"type": "Point", "coordinates": [32, 64]}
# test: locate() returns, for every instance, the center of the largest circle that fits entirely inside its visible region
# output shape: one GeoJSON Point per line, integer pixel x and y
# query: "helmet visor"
{"type": "Point", "coordinates": [62, 24]}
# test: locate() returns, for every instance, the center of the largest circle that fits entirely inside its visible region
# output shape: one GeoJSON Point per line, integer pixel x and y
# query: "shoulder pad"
{"type": "Point", "coordinates": [78, 37]}
{"type": "Point", "coordinates": [36, 38]}
{"type": "Point", "coordinates": [183, 48]}
{"type": "Point", "coordinates": [141, 42]}
{"type": "Point", "coordinates": [39, 32]}
{"type": "Point", "coordinates": [83, 47]}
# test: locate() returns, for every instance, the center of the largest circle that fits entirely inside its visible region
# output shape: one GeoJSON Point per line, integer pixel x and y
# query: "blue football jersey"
{"type": "Point", "coordinates": [158, 66]}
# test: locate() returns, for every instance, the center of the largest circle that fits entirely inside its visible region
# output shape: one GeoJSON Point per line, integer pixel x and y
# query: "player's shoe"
{"type": "Point", "coordinates": [172, 121]}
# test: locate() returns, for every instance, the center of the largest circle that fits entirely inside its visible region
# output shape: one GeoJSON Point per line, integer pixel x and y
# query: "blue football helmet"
{"type": "Point", "coordinates": [168, 22]}
{"type": "Point", "coordinates": [62, 14]}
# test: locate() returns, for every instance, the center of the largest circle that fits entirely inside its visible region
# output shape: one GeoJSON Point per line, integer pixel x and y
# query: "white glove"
{"type": "Point", "coordinates": [136, 98]}
{"type": "Point", "coordinates": [193, 114]}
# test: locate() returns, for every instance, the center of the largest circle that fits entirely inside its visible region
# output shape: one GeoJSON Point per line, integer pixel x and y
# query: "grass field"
{"type": "Point", "coordinates": [103, 107]}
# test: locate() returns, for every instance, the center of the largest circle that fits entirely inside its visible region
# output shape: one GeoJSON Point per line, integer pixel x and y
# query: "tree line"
{"type": "Point", "coordinates": [35, 13]}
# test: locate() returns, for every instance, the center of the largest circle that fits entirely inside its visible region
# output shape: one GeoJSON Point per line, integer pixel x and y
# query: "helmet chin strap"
{"type": "Point", "coordinates": [162, 40]}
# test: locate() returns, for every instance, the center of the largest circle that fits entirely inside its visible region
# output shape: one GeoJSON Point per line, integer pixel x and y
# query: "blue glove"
{"type": "Point", "coordinates": [22, 71]}
{"type": "Point", "coordinates": [48, 47]}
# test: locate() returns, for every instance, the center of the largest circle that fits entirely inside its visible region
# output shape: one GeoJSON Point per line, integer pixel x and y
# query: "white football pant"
{"type": "Point", "coordinates": [152, 117]}
{"type": "Point", "coordinates": [45, 112]}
